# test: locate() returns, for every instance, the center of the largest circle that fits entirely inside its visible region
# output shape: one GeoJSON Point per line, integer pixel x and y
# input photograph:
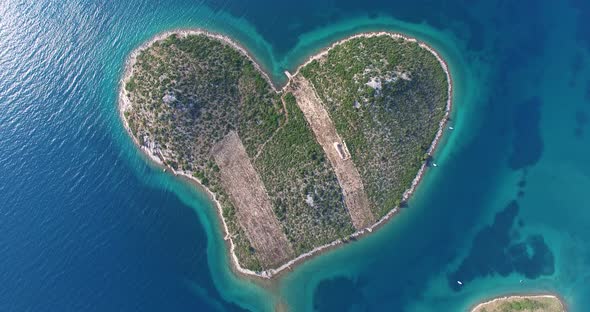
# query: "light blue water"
{"type": "Point", "coordinates": [88, 224]}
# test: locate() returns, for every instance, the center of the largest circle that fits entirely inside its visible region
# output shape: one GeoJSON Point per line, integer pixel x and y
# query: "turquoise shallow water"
{"type": "Point", "coordinates": [88, 224]}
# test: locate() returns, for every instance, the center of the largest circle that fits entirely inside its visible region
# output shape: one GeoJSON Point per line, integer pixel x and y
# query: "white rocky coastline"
{"type": "Point", "coordinates": [154, 154]}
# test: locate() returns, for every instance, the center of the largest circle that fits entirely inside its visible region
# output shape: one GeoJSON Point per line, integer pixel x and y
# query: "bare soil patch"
{"type": "Point", "coordinates": [323, 128]}
{"type": "Point", "coordinates": [252, 203]}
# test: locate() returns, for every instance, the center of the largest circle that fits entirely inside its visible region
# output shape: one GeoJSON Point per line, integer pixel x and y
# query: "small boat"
{"type": "Point", "coordinates": [434, 165]}
{"type": "Point", "coordinates": [459, 282]}
{"type": "Point", "coordinates": [451, 128]}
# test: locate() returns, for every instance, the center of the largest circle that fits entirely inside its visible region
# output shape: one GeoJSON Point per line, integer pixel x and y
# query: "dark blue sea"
{"type": "Point", "coordinates": [88, 224]}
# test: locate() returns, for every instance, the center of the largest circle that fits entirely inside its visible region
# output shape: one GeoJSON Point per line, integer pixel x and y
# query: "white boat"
{"type": "Point", "coordinates": [459, 282]}
{"type": "Point", "coordinates": [434, 165]}
{"type": "Point", "coordinates": [451, 128]}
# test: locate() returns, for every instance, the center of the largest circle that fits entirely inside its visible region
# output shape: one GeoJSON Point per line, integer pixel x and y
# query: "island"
{"type": "Point", "coordinates": [532, 303]}
{"type": "Point", "coordinates": [293, 171]}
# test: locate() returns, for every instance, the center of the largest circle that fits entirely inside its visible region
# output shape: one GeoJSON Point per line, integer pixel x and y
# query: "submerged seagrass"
{"type": "Point", "coordinates": [328, 155]}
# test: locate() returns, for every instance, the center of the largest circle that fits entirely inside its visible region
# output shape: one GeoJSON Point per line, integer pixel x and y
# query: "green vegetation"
{"type": "Point", "coordinates": [130, 85]}
{"type": "Point", "coordinates": [523, 305]}
{"type": "Point", "coordinates": [385, 96]}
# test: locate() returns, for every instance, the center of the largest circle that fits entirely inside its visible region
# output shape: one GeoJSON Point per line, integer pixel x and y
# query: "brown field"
{"type": "Point", "coordinates": [252, 203]}
{"type": "Point", "coordinates": [348, 176]}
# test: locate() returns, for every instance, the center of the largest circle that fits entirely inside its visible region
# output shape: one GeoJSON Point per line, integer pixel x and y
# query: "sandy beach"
{"type": "Point", "coordinates": [155, 155]}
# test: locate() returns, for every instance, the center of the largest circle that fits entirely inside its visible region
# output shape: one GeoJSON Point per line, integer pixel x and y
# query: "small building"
{"type": "Point", "coordinates": [340, 149]}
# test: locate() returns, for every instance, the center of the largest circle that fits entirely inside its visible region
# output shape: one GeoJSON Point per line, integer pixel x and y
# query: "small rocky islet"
{"type": "Point", "coordinates": [291, 170]}
{"type": "Point", "coordinates": [532, 303]}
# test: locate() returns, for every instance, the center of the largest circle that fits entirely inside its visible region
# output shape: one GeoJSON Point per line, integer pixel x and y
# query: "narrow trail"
{"type": "Point", "coordinates": [261, 148]}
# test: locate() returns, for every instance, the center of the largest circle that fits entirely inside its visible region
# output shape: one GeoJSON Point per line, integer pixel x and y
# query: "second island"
{"type": "Point", "coordinates": [297, 170]}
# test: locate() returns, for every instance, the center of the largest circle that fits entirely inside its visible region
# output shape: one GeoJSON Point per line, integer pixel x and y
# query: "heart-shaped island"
{"type": "Point", "coordinates": [325, 159]}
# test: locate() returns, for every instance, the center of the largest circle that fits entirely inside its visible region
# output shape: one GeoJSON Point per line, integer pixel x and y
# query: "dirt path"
{"type": "Point", "coordinates": [251, 201]}
{"type": "Point", "coordinates": [261, 147]}
{"type": "Point", "coordinates": [348, 176]}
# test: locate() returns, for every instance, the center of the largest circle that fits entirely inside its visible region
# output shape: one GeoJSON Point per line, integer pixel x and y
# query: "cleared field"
{"type": "Point", "coordinates": [348, 176]}
{"type": "Point", "coordinates": [252, 203]}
